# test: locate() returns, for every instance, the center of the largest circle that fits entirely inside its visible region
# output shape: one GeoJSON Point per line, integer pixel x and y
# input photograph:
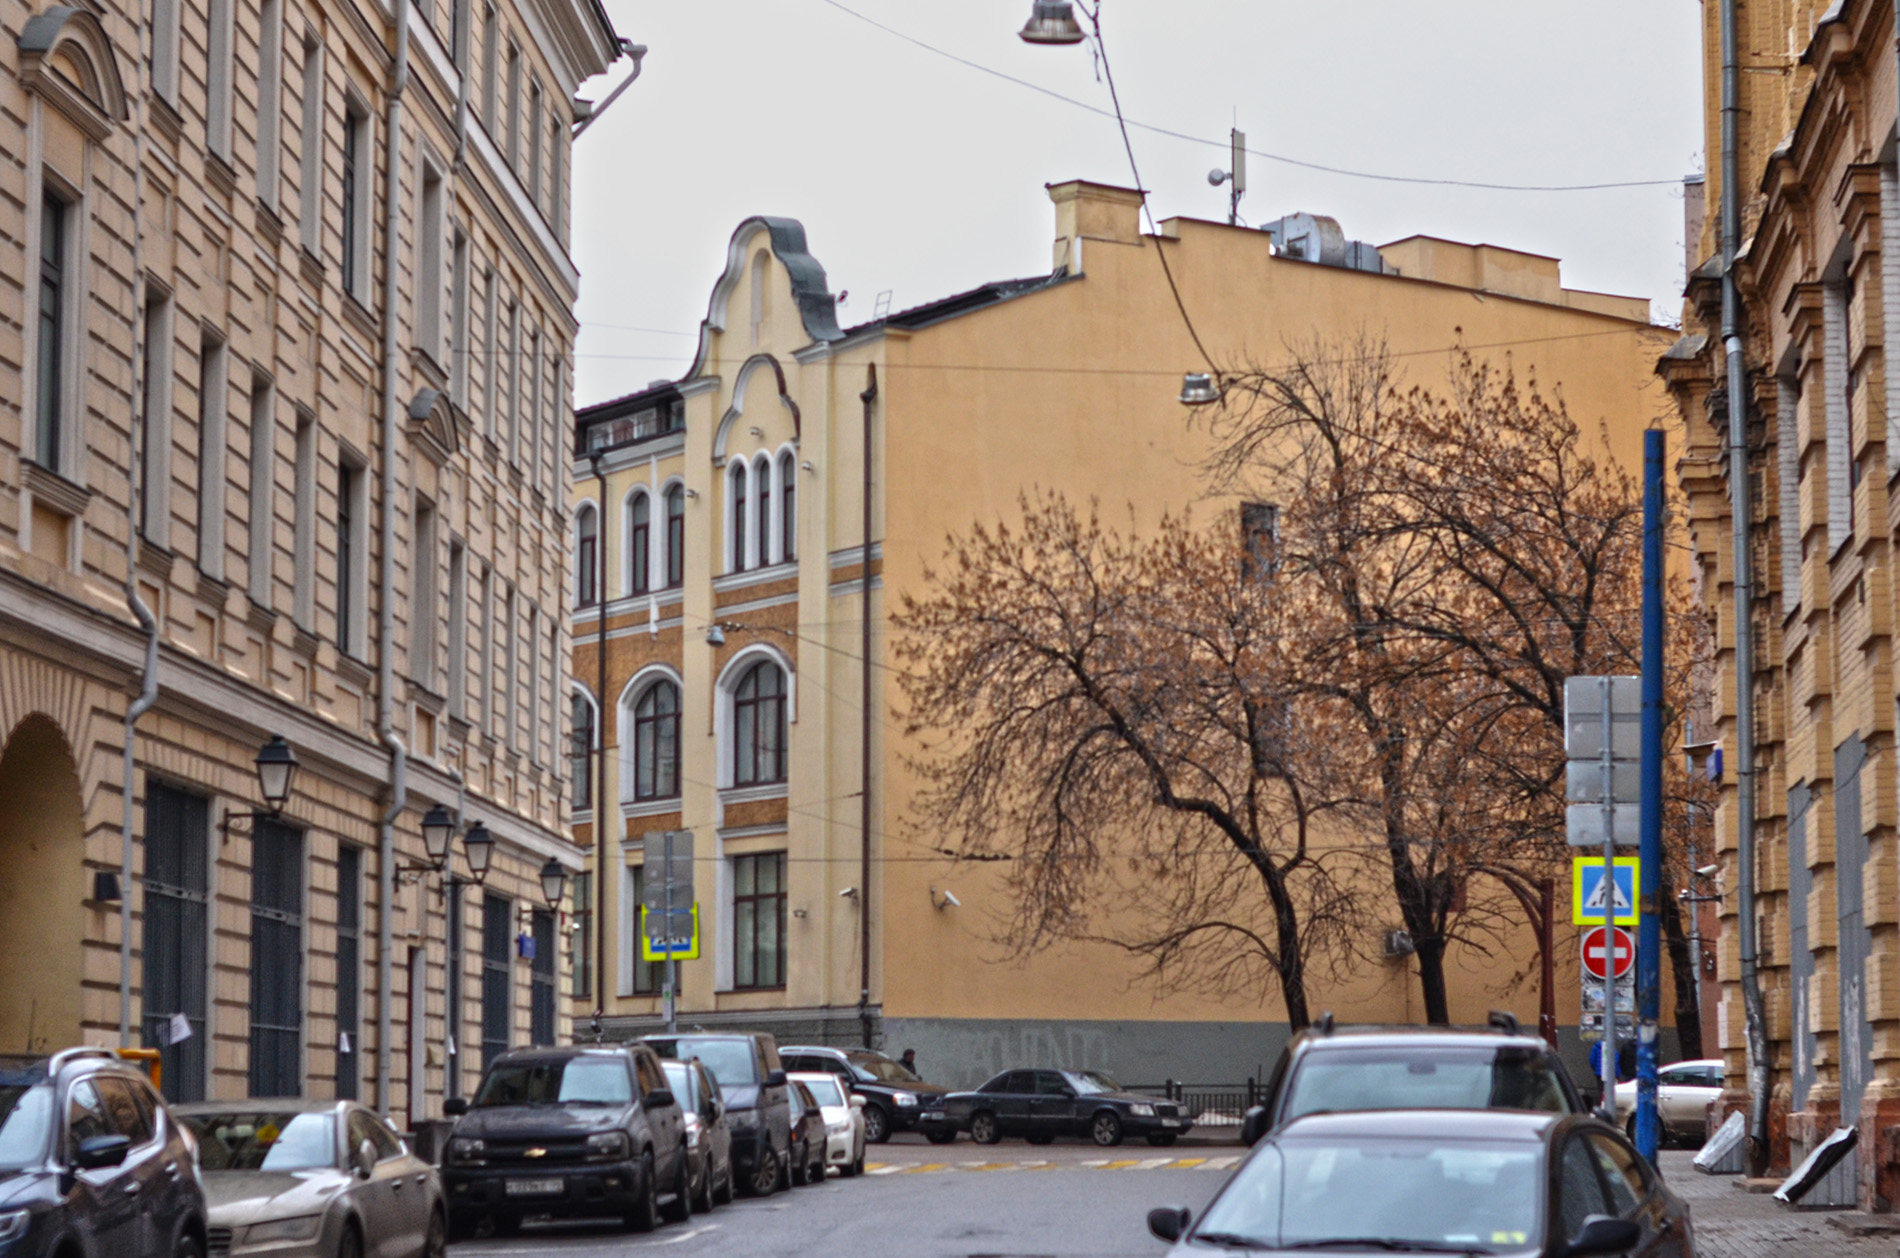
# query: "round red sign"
{"type": "Point", "coordinates": [1596, 948]}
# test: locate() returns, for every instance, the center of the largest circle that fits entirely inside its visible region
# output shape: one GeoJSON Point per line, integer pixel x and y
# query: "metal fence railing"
{"type": "Point", "coordinates": [1208, 1104]}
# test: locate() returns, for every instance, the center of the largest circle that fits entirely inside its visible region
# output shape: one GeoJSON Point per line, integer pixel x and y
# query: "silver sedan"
{"type": "Point", "coordinates": [312, 1179]}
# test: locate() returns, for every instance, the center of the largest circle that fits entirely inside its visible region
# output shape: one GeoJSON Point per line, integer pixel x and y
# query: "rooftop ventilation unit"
{"type": "Point", "coordinates": [1316, 238]}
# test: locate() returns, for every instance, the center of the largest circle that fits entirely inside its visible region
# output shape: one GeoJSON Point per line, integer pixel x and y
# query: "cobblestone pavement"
{"type": "Point", "coordinates": [1730, 1223]}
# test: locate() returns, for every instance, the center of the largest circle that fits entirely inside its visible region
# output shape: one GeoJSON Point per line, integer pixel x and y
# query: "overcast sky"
{"type": "Point", "coordinates": [918, 175]}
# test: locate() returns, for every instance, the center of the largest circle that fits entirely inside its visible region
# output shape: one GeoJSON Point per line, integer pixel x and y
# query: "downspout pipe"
{"type": "Point", "coordinates": [386, 579]}
{"type": "Point", "coordinates": [599, 752]}
{"type": "Point", "coordinates": [1741, 514]}
{"type": "Point", "coordinates": [869, 398]}
{"type": "Point", "coordinates": [148, 624]}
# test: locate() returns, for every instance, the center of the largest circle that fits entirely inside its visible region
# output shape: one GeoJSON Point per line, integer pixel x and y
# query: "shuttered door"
{"type": "Point", "coordinates": [495, 974]}
{"type": "Point", "coordinates": [177, 895]}
{"type": "Point", "coordinates": [276, 960]}
{"type": "Point", "coordinates": [349, 971]}
{"type": "Point", "coordinates": [541, 1008]}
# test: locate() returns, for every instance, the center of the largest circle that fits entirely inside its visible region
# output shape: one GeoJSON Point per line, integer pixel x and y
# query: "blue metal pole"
{"type": "Point", "coordinates": [1649, 937]}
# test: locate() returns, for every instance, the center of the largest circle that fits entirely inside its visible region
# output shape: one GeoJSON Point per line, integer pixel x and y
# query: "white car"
{"type": "Point", "coordinates": [1683, 1094]}
{"type": "Point", "coordinates": [844, 1121]}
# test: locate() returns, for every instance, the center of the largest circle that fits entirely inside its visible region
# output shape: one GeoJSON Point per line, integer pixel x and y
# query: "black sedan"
{"type": "Point", "coordinates": [1438, 1181]}
{"type": "Point", "coordinates": [1040, 1105]}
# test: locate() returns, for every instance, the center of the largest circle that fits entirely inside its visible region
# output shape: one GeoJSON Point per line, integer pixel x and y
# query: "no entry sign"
{"type": "Point", "coordinates": [1600, 943]}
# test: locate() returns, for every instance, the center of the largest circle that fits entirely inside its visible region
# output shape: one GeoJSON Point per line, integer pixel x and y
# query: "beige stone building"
{"type": "Point", "coordinates": [732, 533]}
{"type": "Point", "coordinates": [1819, 278]}
{"type": "Point", "coordinates": [285, 320]}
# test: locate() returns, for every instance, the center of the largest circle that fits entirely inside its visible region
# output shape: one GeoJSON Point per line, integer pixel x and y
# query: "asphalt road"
{"type": "Point", "coordinates": [924, 1201]}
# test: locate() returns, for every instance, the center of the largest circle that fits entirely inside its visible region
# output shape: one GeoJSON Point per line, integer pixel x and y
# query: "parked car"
{"type": "Point", "coordinates": [1684, 1092]}
{"type": "Point", "coordinates": [844, 1113]}
{"type": "Point", "coordinates": [808, 1136]}
{"type": "Point", "coordinates": [758, 1110]}
{"type": "Point", "coordinates": [316, 1179]}
{"type": "Point", "coordinates": [1379, 1067]}
{"type": "Point", "coordinates": [895, 1099]}
{"type": "Point", "coordinates": [708, 1139]}
{"type": "Point", "coordinates": [1428, 1181]}
{"type": "Point", "coordinates": [576, 1132]}
{"type": "Point", "coordinates": [1040, 1105]}
{"type": "Point", "coordinates": [92, 1163]}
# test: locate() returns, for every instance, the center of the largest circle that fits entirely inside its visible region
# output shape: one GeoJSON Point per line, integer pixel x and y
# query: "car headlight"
{"type": "Point", "coordinates": [12, 1224]}
{"type": "Point", "coordinates": [609, 1146]}
{"type": "Point", "coordinates": [464, 1150]}
{"type": "Point", "coordinates": [907, 1100]}
{"type": "Point", "coordinates": [1142, 1109]}
{"type": "Point", "coordinates": [302, 1228]}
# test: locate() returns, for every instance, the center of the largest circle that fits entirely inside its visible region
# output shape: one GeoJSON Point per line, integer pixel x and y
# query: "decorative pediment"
{"type": "Point", "coordinates": [433, 426]}
{"type": "Point", "coordinates": [754, 365]}
{"type": "Point", "coordinates": [67, 58]}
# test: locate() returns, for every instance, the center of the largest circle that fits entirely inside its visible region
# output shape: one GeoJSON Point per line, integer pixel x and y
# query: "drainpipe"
{"type": "Point", "coordinates": [148, 683]}
{"type": "Point", "coordinates": [869, 398]}
{"type": "Point", "coordinates": [599, 750]}
{"type": "Point", "coordinates": [386, 610]}
{"type": "Point", "coordinates": [638, 54]}
{"type": "Point", "coordinates": [1741, 514]}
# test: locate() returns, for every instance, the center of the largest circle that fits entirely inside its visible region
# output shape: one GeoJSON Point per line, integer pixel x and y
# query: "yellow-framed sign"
{"type": "Point", "coordinates": [677, 948]}
{"type": "Point", "coordinates": [1596, 900]}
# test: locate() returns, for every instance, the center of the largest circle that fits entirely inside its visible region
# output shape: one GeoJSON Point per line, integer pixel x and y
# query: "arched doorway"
{"type": "Point", "coordinates": [42, 889]}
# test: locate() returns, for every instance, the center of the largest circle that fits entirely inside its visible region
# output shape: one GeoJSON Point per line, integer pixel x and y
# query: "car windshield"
{"type": "Point", "coordinates": [1466, 1196]}
{"type": "Point", "coordinates": [729, 1060]}
{"type": "Point", "coordinates": [557, 1081]}
{"type": "Point", "coordinates": [679, 1077]}
{"type": "Point", "coordinates": [263, 1140]}
{"type": "Point", "coordinates": [1451, 1077]}
{"type": "Point", "coordinates": [875, 1068]}
{"type": "Point", "coordinates": [1090, 1082]}
{"type": "Point", "coordinates": [26, 1112]}
{"type": "Point", "coordinates": [825, 1091]}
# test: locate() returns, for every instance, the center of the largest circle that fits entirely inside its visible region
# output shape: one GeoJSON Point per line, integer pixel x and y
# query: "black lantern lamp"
{"type": "Point", "coordinates": [554, 882]}
{"type": "Point", "coordinates": [276, 770]}
{"type": "Point", "coordinates": [438, 827]}
{"type": "Point", "coordinates": [1052, 22]}
{"type": "Point", "coordinates": [478, 845]}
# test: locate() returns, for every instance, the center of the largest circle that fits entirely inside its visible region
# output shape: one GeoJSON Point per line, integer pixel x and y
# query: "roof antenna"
{"type": "Point", "coordinates": [1235, 175]}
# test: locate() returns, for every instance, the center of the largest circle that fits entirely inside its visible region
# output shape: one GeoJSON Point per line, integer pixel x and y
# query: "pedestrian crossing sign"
{"type": "Point", "coordinates": [1595, 899]}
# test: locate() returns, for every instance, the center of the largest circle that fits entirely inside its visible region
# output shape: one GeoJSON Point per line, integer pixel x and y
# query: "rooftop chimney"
{"type": "Point", "coordinates": [1092, 211]}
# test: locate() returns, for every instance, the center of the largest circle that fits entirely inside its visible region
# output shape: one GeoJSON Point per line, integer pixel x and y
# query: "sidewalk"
{"type": "Point", "coordinates": [1730, 1223]}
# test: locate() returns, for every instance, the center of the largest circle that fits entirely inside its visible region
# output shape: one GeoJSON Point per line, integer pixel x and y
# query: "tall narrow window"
{"type": "Point", "coordinates": [348, 557]}
{"type": "Point", "coordinates": [583, 934]}
{"type": "Point", "coordinates": [177, 886]}
{"type": "Point", "coordinates": [304, 542]}
{"type": "Point", "coordinates": [534, 143]}
{"type": "Point", "coordinates": [459, 313]}
{"type": "Point", "coordinates": [430, 280]}
{"type": "Point", "coordinates": [762, 477]}
{"type": "Point", "coordinates": [491, 357]}
{"type": "Point", "coordinates": [212, 446]}
{"type": "Point", "coordinates": [509, 673]}
{"type": "Point", "coordinates": [532, 645]}
{"type": "Point", "coordinates": [760, 266]}
{"type": "Point", "coordinates": [541, 997]}
{"type": "Point", "coordinates": [310, 148]}
{"type": "Point", "coordinates": [270, 97]}
{"type": "Point", "coordinates": [736, 534]}
{"type": "Point", "coordinates": [458, 631]}
{"type": "Point", "coordinates": [155, 443]}
{"type": "Point", "coordinates": [51, 362]}
{"type": "Point", "coordinates": [639, 545]}
{"type": "Point", "coordinates": [758, 726]}
{"type": "Point", "coordinates": [656, 743]}
{"type": "Point", "coordinates": [485, 679]}
{"type": "Point", "coordinates": [218, 72]}
{"type": "Point", "coordinates": [514, 106]}
{"type": "Point", "coordinates": [557, 176]}
{"type": "Point", "coordinates": [263, 503]}
{"type": "Point", "coordinates": [788, 506]}
{"type": "Point", "coordinates": [458, 34]}
{"type": "Point", "coordinates": [455, 1012]}
{"type": "Point", "coordinates": [1834, 381]}
{"type": "Point", "coordinates": [586, 558]}
{"type": "Point", "coordinates": [497, 979]}
{"type": "Point", "coordinates": [491, 42]}
{"type": "Point", "coordinates": [165, 50]}
{"type": "Point", "coordinates": [675, 537]}
{"type": "Point", "coordinates": [758, 920]}
{"type": "Point", "coordinates": [356, 202]}
{"type": "Point", "coordinates": [581, 761]}
{"type": "Point", "coordinates": [276, 960]}
{"type": "Point", "coordinates": [422, 611]}
{"type": "Point", "coordinates": [507, 433]}
{"type": "Point", "coordinates": [349, 970]}
{"type": "Point", "coordinates": [531, 417]}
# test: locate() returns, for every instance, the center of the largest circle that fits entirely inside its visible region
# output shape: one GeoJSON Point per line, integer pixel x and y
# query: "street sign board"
{"type": "Point", "coordinates": [1607, 947]}
{"type": "Point", "coordinates": [1584, 823]}
{"type": "Point", "coordinates": [1584, 698]}
{"type": "Point", "coordinates": [1595, 899]}
{"type": "Point", "coordinates": [680, 944]}
{"type": "Point", "coordinates": [1592, 995]}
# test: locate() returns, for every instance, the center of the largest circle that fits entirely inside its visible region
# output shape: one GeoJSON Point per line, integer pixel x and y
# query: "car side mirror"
{"type": "Point", "coordinates": [1602, 1234]}
{"type": "Point", "coordinates": [1068, 1093]}
{"type": "Point", "coordinates": [857, 1102]}
{"type": "Point", "coordinates": [659, 1098]}
{"type": "Point", "coordinates": [96, 1152]}
{"type": "Point", "coordinates": [455, 1107]}
{"type": "Point", "coordinates": [1253, 1126]}
{"type": "Point", "coordinates": [1169, 1223]}
{"type": "Point", "coordinates": [363, 1160]}
{"type": "Point", "coordinates": [775, 1079]}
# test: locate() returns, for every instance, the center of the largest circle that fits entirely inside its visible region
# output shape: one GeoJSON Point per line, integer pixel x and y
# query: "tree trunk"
{"type": "Point", "coordinates": [1685, 966]}
{"type": "Point", "coordinates": [1292, 961]}
{"type": "Point", "coordinates": [1414, 896]}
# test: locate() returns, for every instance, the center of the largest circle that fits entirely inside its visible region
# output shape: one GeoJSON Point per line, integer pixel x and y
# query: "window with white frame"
{"type": "Point", "coordinates": [270, 97]}
{"type": "Point", "coordinates": [263, 495]}
{"type": "Point", "coordinates": [304, 523]}
{"type": "Point", "coordinates": [788, 506]}
{"type": "Point", "coordinates": [758, 726]}
{"type": "Point", "coordinates": [357, 166]}
{"type": "Point", "coordinates": [586, 557]}
{"type": "Point", "coordinates": [219, 69]}
{"type": "Point", "coordinates": [165, 50]}
{"type": "Point", "coordinates": [459, 314]}
{"type": "Point", "coordinates": [310, 147]}
{"type": "Point", "coordinates": [639, 544]}
{"type": "Point", "coordinates": [758, 920]}
{"type": "Point", "coordinates": [52, 351]}
{"type": "Point", "coordinates": [430, 280]}
{"type": "Point", "coordinates": [582, 753]}
{"type": "Point", "coordinates": [213, 473]}
{"type": "Point", "coordinates": [656, 741]}
{"type": "Point", "coordinates": [155, 453]}
{"type": "Point", "coordinates": [675, 537]}
{"type": "Point", "coordinates": [762, 477]}
{"type": "Point", "coordinates": [736, 526]}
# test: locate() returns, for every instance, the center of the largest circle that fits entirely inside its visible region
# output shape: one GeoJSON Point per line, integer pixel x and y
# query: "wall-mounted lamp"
{"type": "Point", "coordinates": [949, 898]}
{"type": "Point", "coordinates": [849, 893]}
{"type": "Point", "coordinates": [553, 882]}
{"type": "Point", "coordinates": [806, 464]}
{"type": "Point", "coordinates": [478, 845]}
{"type": "Point", "coordinates": [1199, 389]}
{"type": "Point", "coordinates": [715, 636]}
{"type": "Point", "coordinates": [1052, 22]}
{"type": "Point", "coordinates": [276, 772]}
{"type": "Point", "coordinates": [105, 887]}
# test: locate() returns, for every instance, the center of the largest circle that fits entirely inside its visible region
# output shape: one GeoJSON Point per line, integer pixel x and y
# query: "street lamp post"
{"type": "Point", "coordinates": [276, 774]}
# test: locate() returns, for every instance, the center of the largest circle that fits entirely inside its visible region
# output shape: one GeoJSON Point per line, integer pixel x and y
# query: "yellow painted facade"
{"type": "Point", "coordinates": [1065, 381]}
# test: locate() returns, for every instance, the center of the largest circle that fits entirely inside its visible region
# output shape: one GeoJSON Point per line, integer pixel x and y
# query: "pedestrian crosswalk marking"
{"type": "Point", "coordinates": [1043, 1164]}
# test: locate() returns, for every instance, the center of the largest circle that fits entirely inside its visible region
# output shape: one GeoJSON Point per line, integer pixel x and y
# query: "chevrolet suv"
{"type": "Point", "coordinates": [92, 1164]}
{"type": "Point", "coordinates": [577, 1132]}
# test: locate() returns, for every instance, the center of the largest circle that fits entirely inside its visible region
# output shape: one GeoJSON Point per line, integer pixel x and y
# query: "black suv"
{"type": "Point", "coordinates": [92, 1164]}
{"type": "Point", "coordinates": [1328, 1069]}
{"type": "Point", "coordinates": [894, 1098]}
{"type": "Point", "coordinates": [572, 1132]}
{"type": "Point", "coordinates": [758, 1109]}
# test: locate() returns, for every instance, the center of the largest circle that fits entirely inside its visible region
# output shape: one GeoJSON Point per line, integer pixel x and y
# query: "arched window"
{"type": "Point", "coordinates": [788, 505]}
{"type": "Point", "coordinates": [656, 742]}
{"type": "Point", "coordinates": [675, 537]}
{"type": "Point", "coordinates": [639, 545]}
{"type": "Point", "coordinates": [762, 477]}
{"type": "Point", "coordinates": [735, 491]}
{"type": "Point", "coordinates": [582, 754]}
{"type": "Point", "coordinates": [587, 559]}
{"type": "Point", "coordinates": [758, 726]}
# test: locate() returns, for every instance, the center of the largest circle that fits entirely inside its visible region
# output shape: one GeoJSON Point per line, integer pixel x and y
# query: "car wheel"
{"type": "Point", "coordinates": [1161, 1138]}
{"type": "Point", "coordinates": [645, 1215]}
{"type": "Point", "coordinates": [877, 1124]}
{"type": "Point", "coordinates": [680, 1208]}
{"type": "Point", "coordinates": [703, 1198]}
{"type": "Point", "coordinates": [940, 1137]}
{"type": "Point", "coordinates": [436, 1243]}
{"type": "Point", "coordinates": [350, 1245]}
{"type": "Point", "coordinates": [984, 1128]}
{"type": "Point", "coordinates": [1106, 1130]}
{"type": "Point", "coordinates": [765, 1172]}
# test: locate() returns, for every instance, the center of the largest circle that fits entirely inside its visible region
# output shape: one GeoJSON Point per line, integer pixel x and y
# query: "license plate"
{"type": "Point", "coordinates": [1170, 1122]}
{"type": "Point", "coordinates": [535, 1187]}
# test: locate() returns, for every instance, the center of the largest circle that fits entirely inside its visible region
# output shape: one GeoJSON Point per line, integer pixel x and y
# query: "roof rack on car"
{"type": "Point", "coordinates": [1326, 1023]}
{"type": "Point", "coordinates": [64, 1055]}
{"type": "Point", "coordinates": [1500, 1020]}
